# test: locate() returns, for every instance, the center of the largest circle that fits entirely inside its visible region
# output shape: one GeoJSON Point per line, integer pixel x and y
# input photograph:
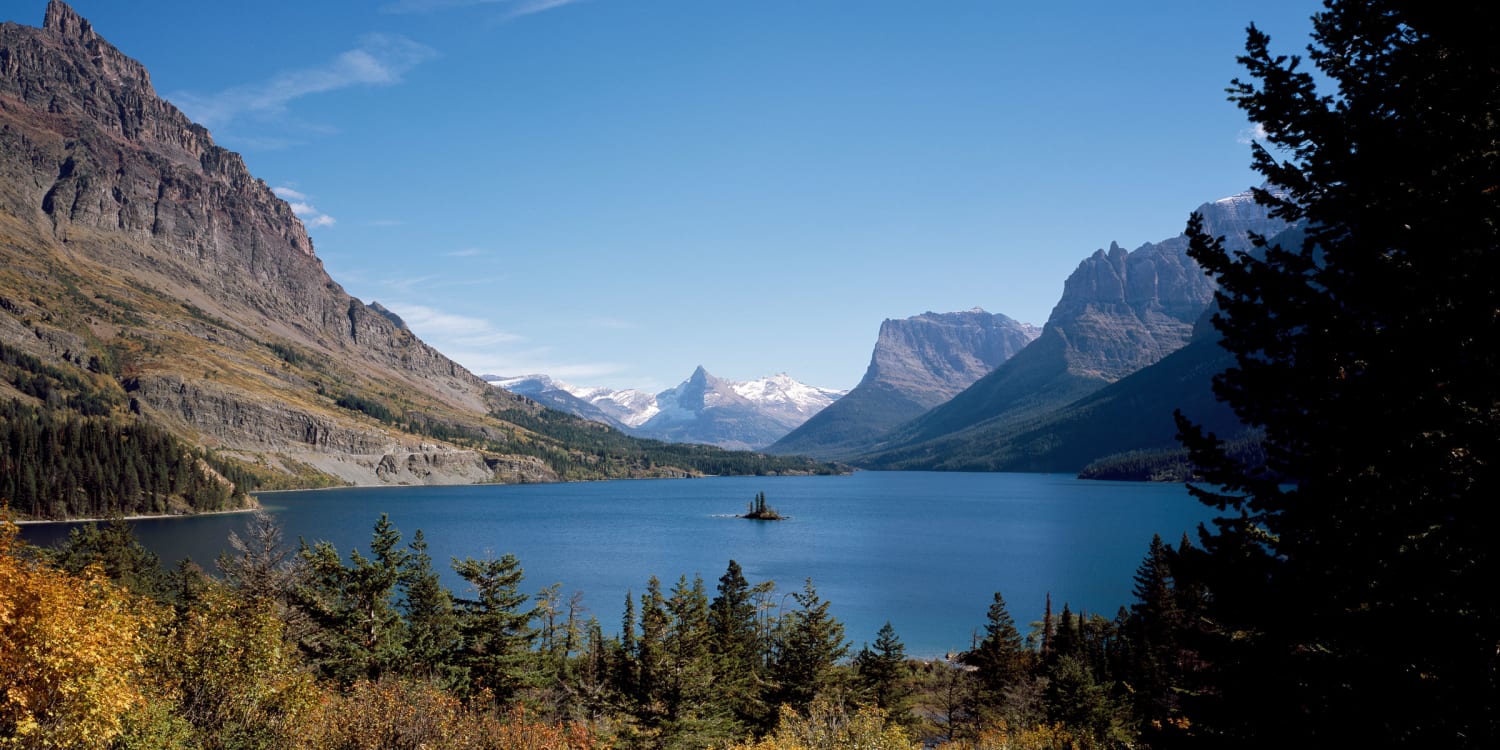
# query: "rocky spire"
{"type": "Point", "coordinates": [65, 22]}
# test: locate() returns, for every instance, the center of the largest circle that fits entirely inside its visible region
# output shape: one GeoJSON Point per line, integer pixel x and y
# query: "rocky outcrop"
{"type": "Point", "coordinates": [918, 363]}
{"type": "Point", "coordinates": [232, 418]}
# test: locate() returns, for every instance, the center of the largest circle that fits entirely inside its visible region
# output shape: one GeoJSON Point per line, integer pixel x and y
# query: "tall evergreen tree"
{"type": "Point", "coordinates": [358, 633]}
{"type": "Point", "coordinates": [625, 672]}
{"type": "Point", "coordinates": [1001, 658]}
{"type": "Point", "coordinates": [496, 626]}
{"type": "Point", "coordinates": [1153, 631]}
{"type": "Point", "coordinates": [1365, 350]}
{"type": "Point", "coordinates": [882, 672]}
{"type": "Point", "coordinates": [652, 655]}
{"type": "Point", "coordinates": [809, 641]}
{"type": "Point", "coordinates": [433, 638]}
{"type": "Point", "coordinates": [736, 646]}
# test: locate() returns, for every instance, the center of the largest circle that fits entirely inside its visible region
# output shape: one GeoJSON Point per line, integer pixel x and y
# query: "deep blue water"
{"type": "Point", "coordinates": [923, 550]}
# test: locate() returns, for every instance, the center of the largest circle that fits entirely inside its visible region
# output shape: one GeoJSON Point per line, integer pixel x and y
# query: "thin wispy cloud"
{"type": "Point", "coordinates": [378, 60]}
{"type": "Point", "coordinates": [461, 329]}
{"type": "Point", "coordinates": [468, 252]}
{"type": "Point", "coordinates": [485, 348]}
{"type": "Point", "coordinates": [1252, 134]}
{"type": "Point", "coordinates": [613, 324]}
{"type": "Point", "coordinates": [511, 8]}
{"type": "Point", "coordinates": [410, 284]}
{"type": "Point", "coordinates": [535, 6]}
{"type": "Point", "coordinates": [311, 217]}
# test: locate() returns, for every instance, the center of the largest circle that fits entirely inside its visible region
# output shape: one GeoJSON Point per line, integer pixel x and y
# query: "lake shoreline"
{"type": "Point", "coordinates": [45, 521]}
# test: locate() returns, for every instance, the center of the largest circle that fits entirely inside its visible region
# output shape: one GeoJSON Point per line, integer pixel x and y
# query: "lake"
{"type": "Point", "coordinates": [924, 550]}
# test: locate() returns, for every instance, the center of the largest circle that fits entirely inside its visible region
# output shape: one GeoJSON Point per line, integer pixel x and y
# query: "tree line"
{"type": "Point", "coordinates": [58, 464]}
{"type": "Point", "coordinates": [308, 647]}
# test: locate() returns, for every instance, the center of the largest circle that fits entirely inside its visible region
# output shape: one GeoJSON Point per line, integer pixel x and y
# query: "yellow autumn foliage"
{"type": "Point", "coordinates": [1003, 736]}
{"type": "Point", "coordinates": [226, 667]}
{"type": "Point", "coordinates": [828, 726]}
{"type": "Point", "coordinates": [72, 650]}
{"type": "Point", "coordinates": [395, 714]}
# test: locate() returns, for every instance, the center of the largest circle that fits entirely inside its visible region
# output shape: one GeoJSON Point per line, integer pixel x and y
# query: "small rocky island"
{"type": "Point", "coordinates": [759, 511]}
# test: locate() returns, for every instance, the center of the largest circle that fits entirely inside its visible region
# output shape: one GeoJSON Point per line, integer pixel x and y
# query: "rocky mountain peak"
{"type": "Point", "coordinates": [94, 162]}
{"type": "Point", "coordinates": [940, 354]}
{"type": "Point", "coordinates": [65, 22]}
{"type": "Point", "coordinates": [918, 363]}
{"type": "Point", "coordinates": [133, 161]}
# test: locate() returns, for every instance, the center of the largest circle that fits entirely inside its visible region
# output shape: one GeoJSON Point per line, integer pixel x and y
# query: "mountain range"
{"type": "Point", "coordinates": [146, 263]}
{"type": "Point", "coordinates": [1121, 312]}
{"type": "Point", "coordinates": [702, 409]}
{"type": "Point", "coordinates": [150, 278]}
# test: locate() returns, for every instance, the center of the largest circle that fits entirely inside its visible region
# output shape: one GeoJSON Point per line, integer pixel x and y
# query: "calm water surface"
{"type": "Point", "coordinates": [923, 550]}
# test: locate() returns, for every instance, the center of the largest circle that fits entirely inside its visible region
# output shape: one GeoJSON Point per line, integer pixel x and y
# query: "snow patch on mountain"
{"type": "Point", "coordinates": [763, 409]}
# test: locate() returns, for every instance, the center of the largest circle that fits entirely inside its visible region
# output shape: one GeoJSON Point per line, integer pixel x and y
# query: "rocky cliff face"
{"type": "Point", "coordinates": [1119, 313]}
{"type": "Point", "coordinates": [135, 246]}
{"type": "Point", "coordinates": [92, 150]}
{"type": "Point", "coordinates": [932, 356]}
{"type": "Point", "coordinates": [918, 363]}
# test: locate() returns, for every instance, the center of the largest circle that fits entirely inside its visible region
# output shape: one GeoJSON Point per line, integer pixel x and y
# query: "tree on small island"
{"type": "Point", "coordinates": [757, 510]}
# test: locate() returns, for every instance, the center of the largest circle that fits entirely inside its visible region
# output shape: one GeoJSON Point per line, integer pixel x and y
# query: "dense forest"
{"type": "Point", "coordinates": [72, 451]}
{"type": "Point", "coordinates": [310, 648]}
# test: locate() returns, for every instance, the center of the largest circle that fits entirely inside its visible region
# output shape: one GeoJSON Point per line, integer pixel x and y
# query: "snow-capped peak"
{"type": "Point", "coordinates": [782, 391]}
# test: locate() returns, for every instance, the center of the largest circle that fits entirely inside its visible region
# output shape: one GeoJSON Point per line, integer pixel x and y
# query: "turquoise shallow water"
{"type": "Point", "coordinates": [923, 550]}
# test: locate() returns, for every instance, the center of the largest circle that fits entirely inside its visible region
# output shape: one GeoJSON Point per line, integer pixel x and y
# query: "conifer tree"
{"type": "Point", "coordinates": [809, 641]}
{"type": "Point", "coordinates": [358, 632]}
{"type": "Point", "coordinates": [496, 626]}
{"type": "Point", "coordinates": [651, 650]}
{"type": "Point", "coordinates": [1001, 658]}
{"type": "Point", "coordinates": [433, 638]}
{"type": "Point", "coordinates": [882, 672]}
{"type": "Point", "coordinates": [1153, 630]}
{"type": "Point", "coordinates": [119, 555]}
{"type": "Point", "coordinates": [625, 673]}
{"type": "Point", "coordinates": [1365, 351]}
{"type": "Point", "coordinates": [261, 568]}
{"type": "Point", "coordinates": [735, 644]}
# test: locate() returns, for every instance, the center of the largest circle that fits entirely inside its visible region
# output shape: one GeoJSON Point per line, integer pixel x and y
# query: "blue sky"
{"type": "Point", "coordinates": [616, 191]}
